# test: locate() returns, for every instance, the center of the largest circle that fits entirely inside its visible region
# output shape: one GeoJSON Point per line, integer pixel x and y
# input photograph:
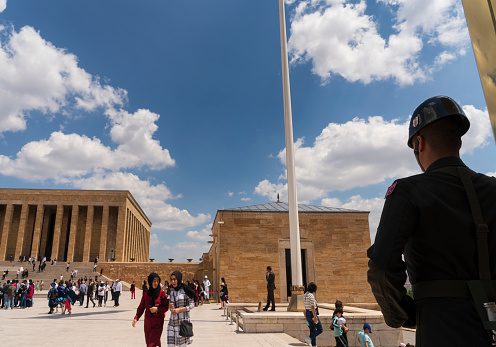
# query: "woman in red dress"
{"type": "Point", "coordinates": [154, 303]}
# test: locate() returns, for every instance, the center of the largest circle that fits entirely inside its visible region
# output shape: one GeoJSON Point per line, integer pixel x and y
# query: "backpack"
{"type": "Point", "coordinates": [52, 293]}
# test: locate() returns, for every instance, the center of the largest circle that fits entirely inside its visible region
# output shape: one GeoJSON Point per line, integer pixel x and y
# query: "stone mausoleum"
{"type": "Point", "coordinates": [73, 225]}
{"type": "Point", "coordinates": [333, 251]}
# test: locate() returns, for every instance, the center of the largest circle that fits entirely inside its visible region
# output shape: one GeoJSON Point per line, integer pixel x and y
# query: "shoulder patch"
{"type": "Point", "coordinates": [390, 189]}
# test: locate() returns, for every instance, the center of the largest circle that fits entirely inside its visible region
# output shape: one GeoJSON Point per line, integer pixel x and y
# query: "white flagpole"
{"type": "Point", "coordinates": [294, 230]}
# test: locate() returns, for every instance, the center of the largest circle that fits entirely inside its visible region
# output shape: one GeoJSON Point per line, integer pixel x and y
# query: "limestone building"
{"type": "Point", "coordinates": [73, 225]}
{"type": "Point", "coordinates": [333, 251]}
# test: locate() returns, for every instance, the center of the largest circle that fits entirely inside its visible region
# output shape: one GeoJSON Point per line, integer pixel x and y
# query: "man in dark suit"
{"type": "Point", "coordinates": [270, 277]}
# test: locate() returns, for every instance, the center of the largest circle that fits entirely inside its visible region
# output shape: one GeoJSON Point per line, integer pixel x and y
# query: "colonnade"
{"type": "Point", "coordinates": [76, 232]}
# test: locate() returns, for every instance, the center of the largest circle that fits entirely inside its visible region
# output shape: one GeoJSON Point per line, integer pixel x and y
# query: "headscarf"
{"type": "Point", "coordinates": [189, 292]}
{"type": "Point", "coordinates": [153, 292]}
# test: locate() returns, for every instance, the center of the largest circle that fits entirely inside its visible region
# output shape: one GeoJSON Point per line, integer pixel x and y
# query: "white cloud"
{"type": "Point", "coordinates": [154, 241]}
{"type": "Point", "coordinates": [230, 193]}
{"type": "Point", "coordinates": [361, 153]}
{"type": "Point", "coordinates": [356, 202]}
{"type": "Point", "coordinates": [491, 174]}
{"type": "Point", "coordinates": [202, 235]}
{"type": "Point", "coordinates": [66, 156]}
{"type": "Point", "coordinates": [339, 38]}
{"type": "Point", "coordinates": [38, 76]}
{"type": "Point", "coordinates": [245, 199]}
{"type": "Point", "coordinates": [3, 5]}
{"type": "Point", "coordinates": [480, 129]}
{"type": "Point", "coordinates": [150, 197]}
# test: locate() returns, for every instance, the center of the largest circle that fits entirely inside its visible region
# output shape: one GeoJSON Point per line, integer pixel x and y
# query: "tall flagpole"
{"type": "Point", "coordinates": [294, 231]}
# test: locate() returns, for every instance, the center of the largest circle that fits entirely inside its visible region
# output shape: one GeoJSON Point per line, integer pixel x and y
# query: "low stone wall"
{"type": "Point", "coordinates": [294, 324]}
{"type": "Point", "coordinates": [138, 272]}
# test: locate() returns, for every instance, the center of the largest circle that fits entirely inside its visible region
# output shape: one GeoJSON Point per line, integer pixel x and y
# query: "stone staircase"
{"type": "Point", "coordinates": [51, 271]}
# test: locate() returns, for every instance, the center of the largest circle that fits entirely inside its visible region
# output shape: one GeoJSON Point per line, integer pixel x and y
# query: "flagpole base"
{"type": "Point", "coordinates": [296, 303]}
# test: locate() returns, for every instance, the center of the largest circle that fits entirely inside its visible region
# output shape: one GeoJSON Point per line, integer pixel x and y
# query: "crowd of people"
{"type": "Point", "coordinates": [18, 294]}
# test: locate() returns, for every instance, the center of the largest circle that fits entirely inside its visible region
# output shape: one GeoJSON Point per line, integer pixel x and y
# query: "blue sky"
{"type": "Point", "coordinates": [181, 102]}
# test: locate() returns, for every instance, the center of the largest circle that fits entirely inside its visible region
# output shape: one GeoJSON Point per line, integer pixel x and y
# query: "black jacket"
{"type": "Point", "coordinates": [427, 219]}
{"type": "Point", "coordinates": [270, 280]}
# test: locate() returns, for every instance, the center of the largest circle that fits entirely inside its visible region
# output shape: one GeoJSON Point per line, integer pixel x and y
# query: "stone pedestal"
{"type": "Point", "coordinates": [296, 302]}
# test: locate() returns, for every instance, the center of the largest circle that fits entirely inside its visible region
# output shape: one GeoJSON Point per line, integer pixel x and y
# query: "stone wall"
{"type": "Point", "coordinates": [138, 272]}
{"type": "Point", "coordinates": [335, 245]}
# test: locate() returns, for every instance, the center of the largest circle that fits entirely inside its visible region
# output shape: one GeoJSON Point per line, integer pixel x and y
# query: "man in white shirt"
{"type": "Point", "coordinates": [117, 290]}
{"type": "Point", "coordinates": [206, 285]}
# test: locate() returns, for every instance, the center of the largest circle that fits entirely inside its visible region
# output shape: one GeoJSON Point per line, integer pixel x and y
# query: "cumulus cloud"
{"type": "Point", "coordinates": [65, 156]}
{"type": "Point", "coordinates": [339, 38]}
{"type": "Point", "coordinates": [356, 202]}
{"type": "Point", "coordinates": [39, 76]}
{"type": "Point", "coordinates": [361, 153]}
{"type": "Point", "coordinates": [202, 235]}
{"type": "Point", "coordinates": [152, 198]}
{"type": "Point", "coordinates": [3, 5]}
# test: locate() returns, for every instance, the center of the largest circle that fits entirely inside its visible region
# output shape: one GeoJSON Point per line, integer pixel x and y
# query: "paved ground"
{"type": "Point", "coordinates": [112, 327]}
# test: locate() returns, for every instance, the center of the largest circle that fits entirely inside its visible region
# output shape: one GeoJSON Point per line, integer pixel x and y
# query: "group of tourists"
{"type": "Point", "coordinates": [17, 294]}
{"type": "Point", "coordinates": [155, 302]}
{"type": "Point", "coordinates": [338, 325]}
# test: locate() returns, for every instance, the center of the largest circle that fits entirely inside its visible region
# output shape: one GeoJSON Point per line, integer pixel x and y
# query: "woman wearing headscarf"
{"type": "Point", "coordinates": [154, 303]}
{"type": "Point", "coordinates": [182, 300]}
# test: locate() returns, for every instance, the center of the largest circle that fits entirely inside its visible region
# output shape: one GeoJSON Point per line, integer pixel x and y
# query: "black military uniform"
{"type": "Point", "coordinates": [427, 218]}
{"type": "Point", "coordinates": [432, 227]}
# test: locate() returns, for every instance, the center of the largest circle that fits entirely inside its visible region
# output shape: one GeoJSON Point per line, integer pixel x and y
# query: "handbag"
{"type": "Point", "coordinates": [185, 328]}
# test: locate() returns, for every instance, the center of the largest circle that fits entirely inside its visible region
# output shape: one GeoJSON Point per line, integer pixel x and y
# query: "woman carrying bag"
{"type": "Point", "coordinates": [182, 300]}
{"type": "Point", "coordinates": [154, 303]}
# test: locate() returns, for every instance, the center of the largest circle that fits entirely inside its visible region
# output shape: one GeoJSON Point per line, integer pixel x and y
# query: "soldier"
{"type": "Point", "coordinates": [427, 228]}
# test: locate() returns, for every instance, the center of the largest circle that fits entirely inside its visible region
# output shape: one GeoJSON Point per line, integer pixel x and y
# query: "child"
{"type": "Point", "coordinates": [364, 338]}
{"type": "Point", "coordinates": [338, 329]}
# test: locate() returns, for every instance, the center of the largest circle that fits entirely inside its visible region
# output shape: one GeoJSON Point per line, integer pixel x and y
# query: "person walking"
{"type": "Point", "coordinates": [106, 293]}
{"type": "Point", "coordinates": [428, 229]}
{"type": "Point", "coordinates": [270, 277]}
{"type": "Point", "coordinates": [154, 304]}
{"type": "Point", "coordinates": [364, 338]}
{"type": "Point", "coordinates": [206, 286]}
{"type": "Point", "coordinates": [311, 314]}
{"type": "Point", "coordinates": [117, 292]}
{"type": "Point", "coordinates": [182, 300]}
{"type": "Point", "coordinates": [144, 288]}
{"type": "Point", "coordinates": [101, 293]}
{"type": "Point", "coordinates": [133, 290]}
{"type": "Point", "coordinates": [224, 293]}
{"type": "Point", "coordinates": [89, 293]}
{"type": "Point", "coordinates": [82, 292]}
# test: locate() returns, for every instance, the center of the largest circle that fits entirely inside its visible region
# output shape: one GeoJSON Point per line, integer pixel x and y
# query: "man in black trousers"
{"type": "Point", "coordinates": [270, 277]}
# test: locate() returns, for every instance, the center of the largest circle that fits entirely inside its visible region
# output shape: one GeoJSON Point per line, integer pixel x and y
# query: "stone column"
{"type": "Point", "coordinates": [120, 237]}
{"type": "Point", "coordinates": [72, 233]}
{"type": "Point", "coordinates": [103, 234]}
{"type": "Point", "coordinates": [56, 232]}
{"type": "Point", "coordinates": [6, 228]}
{"type": "Point", "coordinates": [35, 245]}
{"type": "Point", "coordinates": [87, 234]}
{"type": "Point", "coordinates": [22, 228]}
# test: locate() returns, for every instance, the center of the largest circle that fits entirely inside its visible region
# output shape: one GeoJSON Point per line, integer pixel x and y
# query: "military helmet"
{"type": "Point", "coordinates": [434, 109]}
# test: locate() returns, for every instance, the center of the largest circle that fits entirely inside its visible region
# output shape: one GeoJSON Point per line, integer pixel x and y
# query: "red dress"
{"type": "Point", "coordinates": [154, 322]}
